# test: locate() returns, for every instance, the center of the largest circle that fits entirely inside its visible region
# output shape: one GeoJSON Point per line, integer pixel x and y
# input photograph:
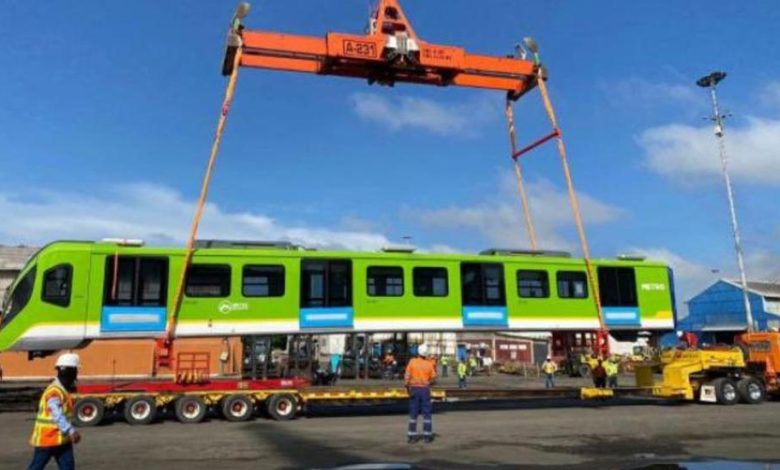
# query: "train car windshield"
{"type": "Point", "coordinates": [18, 298]}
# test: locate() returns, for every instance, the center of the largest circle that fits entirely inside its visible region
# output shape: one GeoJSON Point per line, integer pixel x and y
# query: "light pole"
{"type": "Point", "coordinates": [711, 81]}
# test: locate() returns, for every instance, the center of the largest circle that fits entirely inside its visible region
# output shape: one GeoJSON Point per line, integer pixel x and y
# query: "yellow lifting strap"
{"type": "Point", "coordinates": [204, 190]}
{"type": "Point", "coordinates": [510, 118]}
{"type": "Point", "coordinates": [572, 196]}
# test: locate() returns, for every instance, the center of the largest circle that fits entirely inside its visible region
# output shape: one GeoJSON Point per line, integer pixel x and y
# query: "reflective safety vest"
{"type": "Point", "coordinates": [45, 432]}
{"type": "Point", "coordinates": [462, 370]}
{"type": "Point", "coordinates": [444, 361]}
{"type": "Point", "coordinates": [419, 372]}
{"type": "Point", "coordinates": [611, 368]}
{"type": "Point", "coordinates": [549, 367]}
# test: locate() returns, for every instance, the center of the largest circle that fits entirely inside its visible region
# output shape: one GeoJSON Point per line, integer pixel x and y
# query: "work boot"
{"type": "Point", "coordinates": [428, 439]}
{"type": "Point", "coordinates": [412, 439]}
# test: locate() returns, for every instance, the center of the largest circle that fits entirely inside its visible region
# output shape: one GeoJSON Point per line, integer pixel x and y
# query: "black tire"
{"type": "Point", "coordinates": [584, 370]}
{"type": "Point", "coordinates": [726, 391]}
{"type": "Point", "coordinates": [751, 391]}
{"type": "Point", "coordinates": [88, 412]}
{"type": "Point", "coordinates": [237, 408]}
{"type": "Point", "coordinates": [190, 409]}
{"type": "Point", "coordinates": [140, 410]}
{"type": "Point", "coordinates": [282, 407]}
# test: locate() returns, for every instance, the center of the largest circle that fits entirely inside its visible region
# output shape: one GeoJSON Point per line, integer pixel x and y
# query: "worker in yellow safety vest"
{"type": "Point", "coordinates": [549, 368]}
{"type": "Point", "coordinates": [462, 373]}
{"type": "Point", "coordinates": [53, 434]}
{"type": "Point", "coordinates": [611, 366]}
{"type": "Point", "coordinates": [419, 376]}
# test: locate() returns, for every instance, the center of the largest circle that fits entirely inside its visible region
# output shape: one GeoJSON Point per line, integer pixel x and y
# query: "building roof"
{"type": "Point", "coordinates": [762, 288]}
{"type": "Point", "coordinates": [14, 257]}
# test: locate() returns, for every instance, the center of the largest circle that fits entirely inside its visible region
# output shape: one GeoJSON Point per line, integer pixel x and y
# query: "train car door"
{"type": "Point", "coordinates": [134, 295]}
{"type": "Point", "coordinates": [619, 302]}
{"type": "Point", "coordinates": [483, 295]}
{"type": "Point", "coordinates": [326, 294]}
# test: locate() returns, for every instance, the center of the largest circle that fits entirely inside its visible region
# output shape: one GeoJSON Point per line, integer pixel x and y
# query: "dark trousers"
{"type": "Point", "coordinates": [444, 370]}
{"type": "Point", "coordinates": [612, 381]}
{"type": "Point", "coordinates": [62, 454]}
{"type": "Point", "coordinates": [461, 381]}
{"type": "Point", "coordinates": [600, 382]}
{"type": "Point", "coordinates": [420, 403]}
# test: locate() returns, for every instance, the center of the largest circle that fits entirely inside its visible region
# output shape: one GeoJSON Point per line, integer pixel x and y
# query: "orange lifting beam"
{"type": "Point", "coordinates": [390, 53]}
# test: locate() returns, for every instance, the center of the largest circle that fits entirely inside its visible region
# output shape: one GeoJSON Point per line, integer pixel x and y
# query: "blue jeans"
{"type": "Point", "coordinates": [62, 454]}
{"type": "Point", "coordinates": [549, 381]}
{"type": "Point", "coordinates": [462, 382]}
{"type": "Point", "coordinates": [420, 403]}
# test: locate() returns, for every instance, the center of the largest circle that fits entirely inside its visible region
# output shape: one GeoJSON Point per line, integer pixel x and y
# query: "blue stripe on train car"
{"type": "Point", "coordinates": [485, 316]}
{"type": "Point", "coordinates": [621, 316]}
{"type": "Point", "coordinates": [327, 317]}
{"type": "Point", "coordinates": [132, 319]}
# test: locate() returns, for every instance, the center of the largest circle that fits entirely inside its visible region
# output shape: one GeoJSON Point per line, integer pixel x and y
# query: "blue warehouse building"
{"type": "Point", "coordinates": [719, 311]}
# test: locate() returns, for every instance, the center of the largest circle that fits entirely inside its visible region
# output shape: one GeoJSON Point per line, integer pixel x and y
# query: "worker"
{"type": "Point", "coordinates": [390, 364]}
{"type": "Point", "coordinates": [419, 376]}
{"type": "Point", "coordinates": [445, 362]}
{"type": "Point", "coordinates": [599, 375]}
{"type": "Point", "coordinates": [549, 368]}
{"type": "Point", "coordinates": [687, 340]}
{"type": "Point", "coordinates": [611, 367]}
{"type": "Point", "coordinates": [462, 373]}
{"type": "Point", "coordinates": [473, 364]}
{"type": "Point", "coordinates": [53, 433]}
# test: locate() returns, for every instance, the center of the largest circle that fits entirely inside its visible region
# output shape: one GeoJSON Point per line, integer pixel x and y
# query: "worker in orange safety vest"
{"type": "Point", "coordinates": [53, 434]}
{"type": "Point", "coordinates": [420, 375]}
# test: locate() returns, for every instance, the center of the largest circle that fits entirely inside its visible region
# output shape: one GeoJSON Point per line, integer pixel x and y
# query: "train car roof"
{"type": "Point", "coordinates": [285, 250]}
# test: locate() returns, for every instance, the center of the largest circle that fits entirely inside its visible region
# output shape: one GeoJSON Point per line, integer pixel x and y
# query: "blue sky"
{"type": "Point", "coordinates": [108, 111]}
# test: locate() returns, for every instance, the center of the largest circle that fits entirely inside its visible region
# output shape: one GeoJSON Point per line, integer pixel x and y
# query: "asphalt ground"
{"type": "Point", "coordinates": [544, 433]}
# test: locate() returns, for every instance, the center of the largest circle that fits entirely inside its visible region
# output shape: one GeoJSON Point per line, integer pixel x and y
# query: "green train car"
{"type": "Point", "coordinates": [70, 293]}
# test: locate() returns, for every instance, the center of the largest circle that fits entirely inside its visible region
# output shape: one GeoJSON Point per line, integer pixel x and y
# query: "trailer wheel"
{"type": "Point", "coordinates": [190, 409]}
{"type": "Point", "coordinates": [88, 412]}
{"type": "Point", "coordinates": [237, 408]}
{"type": "Point", "coordinates": [751, 391]}
{"type": "Point", "coordinates": [282, 407]}
{"type": "Point", "coordinates": [726, 391]}
{"type": "Point", "coordinates": [140, 410]}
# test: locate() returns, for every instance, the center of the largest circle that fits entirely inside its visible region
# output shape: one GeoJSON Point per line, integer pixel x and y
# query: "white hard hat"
{"type": "Point", "coordinates": [422, 350]}
{"type": "Point", "coordinates": [68, 360]}
{"type": "Point", "coordinates": [679, 334]}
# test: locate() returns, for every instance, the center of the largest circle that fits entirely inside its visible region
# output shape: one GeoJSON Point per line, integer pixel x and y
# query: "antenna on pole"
{"type": "Point", "coordinates": [711, 81]}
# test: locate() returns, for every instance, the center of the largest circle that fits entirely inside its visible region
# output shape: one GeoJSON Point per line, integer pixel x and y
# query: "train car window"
{"type": "Point", "coordinates": [385, 281]}
{"type": "Point", "coordinates": [326, 283]}
{"type": "Point", "coordinates": [617, 287]}
{"type": "Point", "coordinates": [430, 282]}
{"type": "Point", "coordinates": [140, 282]}
{"type": "Point", "coordinates": [153, 282]}
{"type": "Point", "coordinates": [482, 284]}
{"type": "Point", "coordinates": [20, 296]}
{"type": "Point", "coordinates": [263, 281]}
{"type": "Point", "coordinates": [533, 284]}
{"type": "Point", "coordinates": [56, 285]}
{"type": "Point", "coordinates": [208, 280]}
{"type": "Point", "coordinates": [572, 284]}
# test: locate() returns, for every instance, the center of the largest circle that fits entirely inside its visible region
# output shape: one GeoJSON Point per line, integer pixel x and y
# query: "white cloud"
{"type": "Point", "coordinates": [421, 113]}
{"type": "Point", "coordinates": [499, 219]}
{"type": "Point", "coordinates": [157, 214]}
{"type": "Point", "coordinates": [687, 153]}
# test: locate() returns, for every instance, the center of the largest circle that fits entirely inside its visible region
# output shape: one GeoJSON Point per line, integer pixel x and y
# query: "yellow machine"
{"type": "Point", "coordinates": [708, 375]}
